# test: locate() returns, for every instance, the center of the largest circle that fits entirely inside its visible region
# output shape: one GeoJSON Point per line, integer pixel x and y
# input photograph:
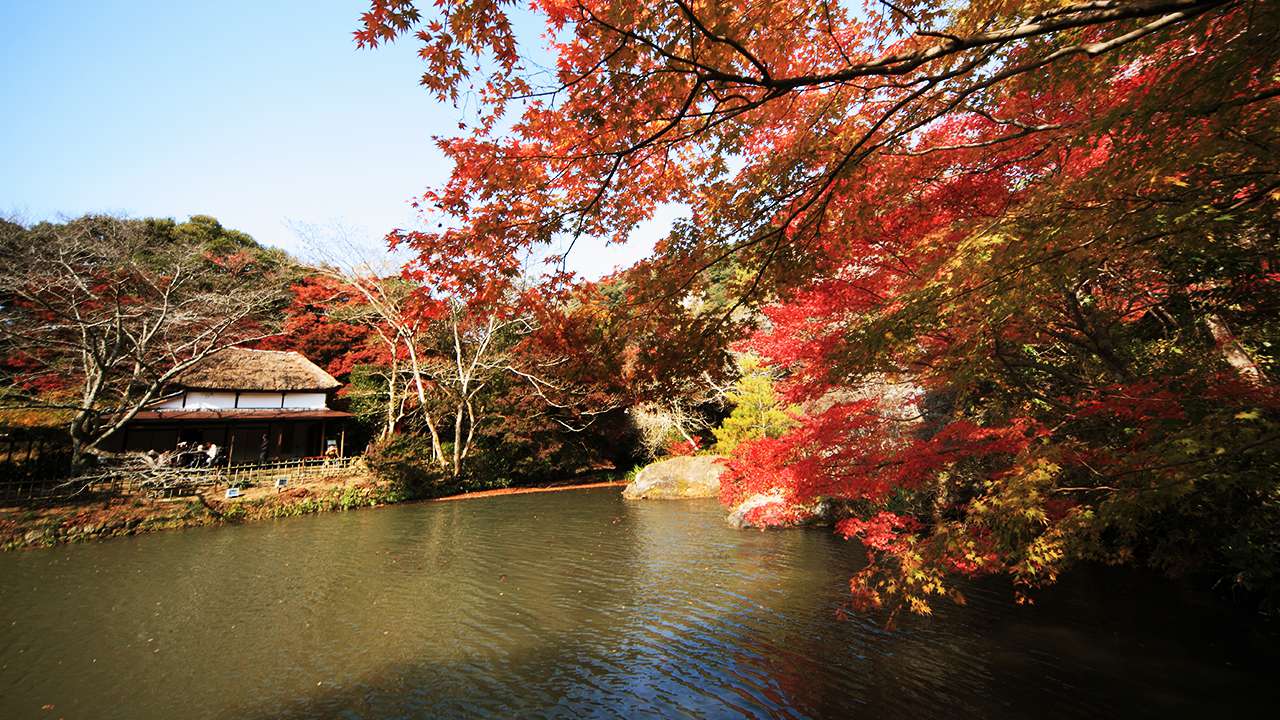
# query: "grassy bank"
{"type": "Point", "coordinates": [131, 515]}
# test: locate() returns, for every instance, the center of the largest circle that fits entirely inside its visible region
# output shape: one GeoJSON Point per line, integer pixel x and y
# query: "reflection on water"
{"type": "Point", "coordinates": [568, 605]}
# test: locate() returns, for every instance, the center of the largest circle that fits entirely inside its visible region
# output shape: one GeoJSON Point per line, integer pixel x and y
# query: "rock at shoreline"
{"type": "Point", "coordinates": [771, 511]}
{"type": "Point", "coordinates": [750, 512]}
{"type": "Point", "coordinates": [692, 476]}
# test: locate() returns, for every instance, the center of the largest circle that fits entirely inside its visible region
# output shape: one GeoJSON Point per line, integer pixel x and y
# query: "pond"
{"type": "Point", "coordinates": [576, 604]}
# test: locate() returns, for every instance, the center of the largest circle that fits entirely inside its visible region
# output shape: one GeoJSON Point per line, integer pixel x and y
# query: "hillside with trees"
{"type": "Point", "coordinates": [99, 314]}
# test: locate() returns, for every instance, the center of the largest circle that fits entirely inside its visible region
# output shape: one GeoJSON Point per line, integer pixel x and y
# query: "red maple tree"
{"type": "Point", "coordinates": [1054, 223]}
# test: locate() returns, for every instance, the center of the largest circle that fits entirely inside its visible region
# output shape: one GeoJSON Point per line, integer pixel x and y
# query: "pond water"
{"type": "Point", "coordinates": [576, 604]}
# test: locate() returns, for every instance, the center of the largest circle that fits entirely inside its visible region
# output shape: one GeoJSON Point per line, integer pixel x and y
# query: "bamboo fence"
{"type": "Point", "coordinates": [159, 481]}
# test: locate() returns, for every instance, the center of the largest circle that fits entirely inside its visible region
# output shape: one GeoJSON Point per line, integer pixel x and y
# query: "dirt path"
{"type": "Point", "coordinates": [524, 490]}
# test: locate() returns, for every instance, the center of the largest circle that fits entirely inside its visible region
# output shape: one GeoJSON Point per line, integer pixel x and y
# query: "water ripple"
{"type": "Point", "coordinates": [556, 605]}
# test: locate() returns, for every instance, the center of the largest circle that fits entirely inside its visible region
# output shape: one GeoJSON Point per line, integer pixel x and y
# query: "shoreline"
{"type": "Point", "coordinates": [48, 526]}
{"type": "Point", "coordinates": [521, 491]}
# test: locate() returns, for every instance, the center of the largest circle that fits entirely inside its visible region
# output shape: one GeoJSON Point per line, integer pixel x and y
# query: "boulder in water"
{"type": "Point", "coordinates": [690, 476]}
{"type": "Point", "coordinates": [751, 512]}
{"type": "Point", "coordinates": [771, 510]}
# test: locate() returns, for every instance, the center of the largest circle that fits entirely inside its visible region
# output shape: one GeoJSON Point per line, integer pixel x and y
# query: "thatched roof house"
{"type": "Point", "coordinates": [258, 404]}
{"type": "Point", "coordinates": [244, 369]}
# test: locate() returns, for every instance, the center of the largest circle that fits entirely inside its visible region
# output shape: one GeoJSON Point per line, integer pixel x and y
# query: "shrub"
{"type": "Point", "coordinates": [757, 413]}
{"type": "Point", "coordinates": [406, 461]}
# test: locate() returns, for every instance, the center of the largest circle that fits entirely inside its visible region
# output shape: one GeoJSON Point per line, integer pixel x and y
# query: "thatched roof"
{"type": "Point", "coordinates": [252, 414]}
{"type": "Point", "coordinates": [267, 370]}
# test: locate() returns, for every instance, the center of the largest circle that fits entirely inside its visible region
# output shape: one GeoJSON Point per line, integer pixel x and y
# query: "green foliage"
{"type": "Point", "coordinates": [237, 511]}
{"type": "Point", "coordinates": [366, 394]}
{"type": "Point", "coordinates": [405, 460]}
{"type": "Point", "coordinates": [208, 234]}
{"type": "Point", "coordinates": [756, 412]}
{"type": "Point", "coordinates": [339, 498]}
{"type": "Point", "coordinates": [519, 441]}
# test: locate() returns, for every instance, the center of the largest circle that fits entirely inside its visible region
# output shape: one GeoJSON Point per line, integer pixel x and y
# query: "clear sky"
{"type": "Point", "coordinates": [261, 114]}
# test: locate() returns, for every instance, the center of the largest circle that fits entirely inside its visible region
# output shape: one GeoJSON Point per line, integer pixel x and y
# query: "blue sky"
{"type": "Point", "coordinates": [261, 114]}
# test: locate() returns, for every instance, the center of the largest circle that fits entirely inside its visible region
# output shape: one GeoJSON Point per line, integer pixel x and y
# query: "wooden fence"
{"type": "Point", "coordinates": [172, 482]}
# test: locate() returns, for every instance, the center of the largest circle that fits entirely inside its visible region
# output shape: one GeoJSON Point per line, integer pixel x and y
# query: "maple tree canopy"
{"type": "Point", "coordinates": [1055, 222]}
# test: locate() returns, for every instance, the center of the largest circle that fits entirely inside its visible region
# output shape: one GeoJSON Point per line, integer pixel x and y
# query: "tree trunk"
{"type": "Point", "coordinates": [1233, 352]}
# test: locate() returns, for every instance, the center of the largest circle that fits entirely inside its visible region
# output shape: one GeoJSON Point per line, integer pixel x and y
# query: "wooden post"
{"type": "Point", "coordinates": [342, 442]}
